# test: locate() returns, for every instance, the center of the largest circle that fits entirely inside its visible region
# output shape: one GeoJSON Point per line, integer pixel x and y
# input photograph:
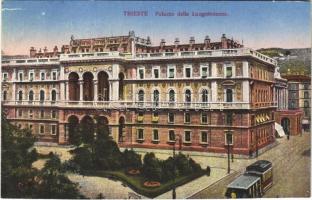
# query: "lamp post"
{"type": "Point", "coordinates": [228, 151]}
{"type": "Point", "coordinates": [257, 144]}
{"type": "Point", "coordinates": [174, 195]}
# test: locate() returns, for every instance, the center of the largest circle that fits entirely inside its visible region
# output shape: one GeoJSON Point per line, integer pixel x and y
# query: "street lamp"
{"type": "Point", "coordinates": [174, 195]}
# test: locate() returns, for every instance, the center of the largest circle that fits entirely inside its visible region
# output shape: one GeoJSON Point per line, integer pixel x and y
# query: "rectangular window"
{"type": "Point", "coordinates": [171, 135]}
{"type": "Point", "coordinates": [155, 73]}
{"type": "Point", "coordinates": [187, 136]}
{"type": "Point", "coordinates": [41, 127]}
{"type": "Point", "coordinates": [30, 113]}
{"type": "Point", "coordinates": [228, 118]}
{"type": "Point", "coordinates": [31, 75]}
{"type": "Point", "coordinates": [204, 137]}
{"type": "Point", "coordinates": [53, 129]}
{"type": "Point", "coordinates": [54, 75]}
{"type": "Point", "coordinates": [171, 72]}
{"type": "Point", "coordinates": [53, 114]}
{"type": "Point", "coordinates": [171, 118]}
{"type": "Point", "coordinates": [204, 118]}
{"type": "Point", "coordinates": [20, 76]}
{"type": "Point", "coordinates": [306, 95]}
{"type": "Point", "coordinates": [41, 113]}
{"type": "Point", "coordinates": [5, 76]}
{"type": "Point", "coordinates": [30, 126]}
{"type": "Point", "coordinates": [20, 112]}
{"type": "Point", "coordinates": [228, 71]}
{"type": "Point", "coordinates": [187, 118]}
{"type": "Point", "coordinates": [187, 72]}
{"type": "Point", "coordinates": [42, 75]}
{"type": "Point", "coordinates": [141, 73]}
{"type": "Point", "coordinates": [155, 135]}
{"type": "Point", "coordinates": [204, 72]}
{"type": "Point", "coordinates": [228, 138]}
{"type": "Point", "coordinates": [140, 134]}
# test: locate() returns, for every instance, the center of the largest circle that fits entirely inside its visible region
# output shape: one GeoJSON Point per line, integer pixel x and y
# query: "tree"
{"type": "Point", "coordinates": [151, 167]}
{"type": "Point", "coordinates": [74, 134]}
{"type": "Point", "coordinates": [131, 160]}
{"type": "Point", "coordinates": [168, 170]}
{"type": "Point", "coordinates": [19, 179]}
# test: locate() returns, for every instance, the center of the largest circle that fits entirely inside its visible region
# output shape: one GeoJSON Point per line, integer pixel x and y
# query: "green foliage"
{"type": "Point", "coordinates": [19, 179]}
{"type": "Point", "coordinates": [131, 160]}
{"type": "Point", "coordinates": [151, 167]}
{"type": "Point", "coordinates": [294, 67]}
{"type": "Point", "coordinates": [168, 170]}
{"type": "Point", "coordinates": [74, 134]}
{"type": "Point", "coordinates": [83, 158]}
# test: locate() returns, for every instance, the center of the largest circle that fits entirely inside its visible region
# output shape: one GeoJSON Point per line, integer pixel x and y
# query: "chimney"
{"type": "Point", "coordinates": [55, 49]}
{"type": "Point", "coordinates": [176, 41]}
{"type": "Point", "coordinates": [224, 42]}
{"type": "Point", "coordinates": [45, 50]}
{"type": "Point", "coordinates": [32, 52]}
{"type": "Point", "coordinates": [192, 40]}
{"type": "Point", "coordinates": [39, 50]}
{"type": "Point", "coordinates": [148, 40]}
{"type": "Point", "coordinates": [207, 40]}
{"type": "Point", "coordinates": [162, 42]}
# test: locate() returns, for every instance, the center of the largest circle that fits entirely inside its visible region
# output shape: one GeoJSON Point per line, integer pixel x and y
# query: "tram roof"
{"type": "Point", "coordinates": [260, 165]}
{"type": "Point", "coordinates": [244, 182]}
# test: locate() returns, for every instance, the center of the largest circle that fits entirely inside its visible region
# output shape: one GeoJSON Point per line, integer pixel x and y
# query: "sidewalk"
{"type": "Point", "coordinates": [194, 186]}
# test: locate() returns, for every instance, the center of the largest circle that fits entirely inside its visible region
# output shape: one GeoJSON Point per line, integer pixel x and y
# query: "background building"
{"type": "Point", "coordinates": [211, 95]}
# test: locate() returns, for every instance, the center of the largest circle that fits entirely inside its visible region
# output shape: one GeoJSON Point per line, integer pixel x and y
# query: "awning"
{"type": "Point", "coordinates": [279, 129]}
{"type": "Point", "coordinates": [305, 121]}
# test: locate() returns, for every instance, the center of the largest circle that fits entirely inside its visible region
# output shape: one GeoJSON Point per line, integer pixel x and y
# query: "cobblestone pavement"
{"type": "Point", "coordinates": [291, 168]}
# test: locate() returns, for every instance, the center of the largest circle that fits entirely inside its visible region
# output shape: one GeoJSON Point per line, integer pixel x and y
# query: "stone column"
{"type": "Point", "coordinates": [95, 96]}
{"type": "Point", "coordinates": [81, 90]}
{"type": "Point", "coordinates": [62, 93]}
{"type": "Point", "coordinates": [66, 85]}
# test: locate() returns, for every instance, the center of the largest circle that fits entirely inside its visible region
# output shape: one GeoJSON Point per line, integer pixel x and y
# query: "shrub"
{"type": "Point", "coordinates": [83, 158]}
{"type": "Point", "coordinates": [151, 167]}
{"type": "Point", "coordinates": [168, 169]}
{"type": "Point", "coordinates": [131, 160]}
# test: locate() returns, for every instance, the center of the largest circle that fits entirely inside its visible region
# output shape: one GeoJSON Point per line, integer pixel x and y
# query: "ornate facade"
{"type": "Point", "coordinates": [209, 95]}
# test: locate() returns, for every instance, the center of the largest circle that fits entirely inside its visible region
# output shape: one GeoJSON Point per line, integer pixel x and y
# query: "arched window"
{"type": "Point", "coordinates": [20, 95]}
{"type": "Point", "coordinates": [41, 96]}
{"type": "Point", "coordinates": [31, 95]}
{"type": "Point", "coordinates": [229, 95]}
{"type": "Point", "coordinates": [5, 93]}
{"type": "Point", "coordinates": [188, 96]}
{"type": "Point", "coordinates": [141, 97]}
{"type": "Point", "coordinates": [156, 97]}
{"type": "Point", "coordinates": [171, 96]}
{"type": "Point", "coordinates": [204, 96]}
{"type": "Point", "coordinates": [121, 86]}
{"type": "Point", "coordinates": [306, 104]}
{"type": "Point", "coordinates": [53, 96]}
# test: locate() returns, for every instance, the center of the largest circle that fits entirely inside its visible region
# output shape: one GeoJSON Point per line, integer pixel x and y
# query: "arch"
{"type": "Point", "coordinates": [121, 128]}
{"type": "Point", "coordinates": [141, 96]}
{"type": "Point", "coordinates": [102, 128]}
{"type": "Point", "coordinates": [31, 95]}
{"type": "Point", "coordinates": [20, 95]}
{"type": "Point", "coordinates": [74, 136]}
{"type": "Point", "coordinates": [229, 95]}
{"type": "Point", "coordinates": [53, 95]}
{"type": "Point", "coordinates": [156, 97]}
{"type": "Point", "coordinates": [5, 95]}
{"type": "Point", "coordinates": [73, 86]}
{"type": "Point", "coordinates": [103, 86]}
{"type": "Point", "coordinates": [188, 96]}
{"type": "Point", "coordinates": [87, 129]}
{"type": "Point", "coordinates": [204, 95]}
{"type": "Point", "coordinates": [121, 85]}
{"type": "Point", "coordinates": [88, 86]}
{"type": "Point", "coordinates": [42, 95]}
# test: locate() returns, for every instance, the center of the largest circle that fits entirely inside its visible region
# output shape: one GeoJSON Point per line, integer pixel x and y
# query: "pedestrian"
{"type": "Point", "coordinates": [208, 170]}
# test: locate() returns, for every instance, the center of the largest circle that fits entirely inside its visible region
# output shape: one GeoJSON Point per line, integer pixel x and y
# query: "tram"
{"type": "Point", "coordinates": [256, 180]}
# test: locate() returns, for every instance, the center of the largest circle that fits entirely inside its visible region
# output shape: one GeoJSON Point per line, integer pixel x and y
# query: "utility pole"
{"type": "Point", "coordinates": [174, 188]}
{"type": "Point", "coordinates": [228, 148]}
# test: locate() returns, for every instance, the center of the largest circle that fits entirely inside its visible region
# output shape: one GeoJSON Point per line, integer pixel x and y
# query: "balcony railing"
{"type": "Point", "coordinates": [133, 104]}
{"type": "Point", "coordinates": [143, 56]}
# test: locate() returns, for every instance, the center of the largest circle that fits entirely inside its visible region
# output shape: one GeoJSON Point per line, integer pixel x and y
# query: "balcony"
{"type": "Point", "coordinates": [32, 61]}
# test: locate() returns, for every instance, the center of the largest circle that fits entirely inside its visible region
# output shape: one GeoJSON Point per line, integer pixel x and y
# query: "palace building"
{"type": "Point", "coordinates": [208, 95]}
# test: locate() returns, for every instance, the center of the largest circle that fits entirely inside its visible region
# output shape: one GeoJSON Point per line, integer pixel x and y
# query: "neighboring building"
{"type": "Point", "coordinates": [290, 119]}
{"type": "Point", "coordinates": [210, 94]}
{"type": "Point", "coordinates": [299, 89]}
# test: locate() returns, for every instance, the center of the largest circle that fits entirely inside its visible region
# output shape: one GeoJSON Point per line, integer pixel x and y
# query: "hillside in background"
{"type": "Point", "coordinates": [291, 61]}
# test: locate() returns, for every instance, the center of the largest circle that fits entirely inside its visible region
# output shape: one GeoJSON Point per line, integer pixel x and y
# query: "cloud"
{"type": "Point", "coordinates": [11, 9]}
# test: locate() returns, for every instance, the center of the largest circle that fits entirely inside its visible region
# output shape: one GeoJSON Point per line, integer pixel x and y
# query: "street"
{"type": "Point", "coordinates": [291, 170]}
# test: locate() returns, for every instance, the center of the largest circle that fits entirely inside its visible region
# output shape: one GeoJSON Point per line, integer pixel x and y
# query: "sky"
{"type": "Point", "coordinates": [50, 23]}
